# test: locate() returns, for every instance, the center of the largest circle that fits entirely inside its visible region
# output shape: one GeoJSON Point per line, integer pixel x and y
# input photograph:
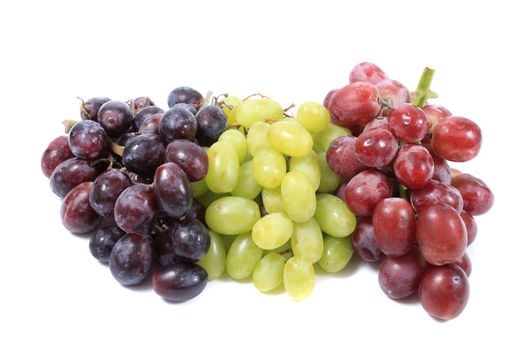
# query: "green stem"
{"type": "Point", "coordinates": [423, 88]}
{"type": "Point", "coordinates": [402, 191]}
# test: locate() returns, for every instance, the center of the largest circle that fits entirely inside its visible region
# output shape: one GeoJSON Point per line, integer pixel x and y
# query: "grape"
{"type": "Point", "coordinates": [172, 189]}
{"type": "Point", "coordinates": [365, 190]}
{"type": "Point", "coordinates": [364, 241]}
{"type": "Point", "coordinates": [399, 276]}
{"type": "Point", "coordinates": [72, 172]}
{"type": "Point", "coordinates": [307, 241]}
{"type": "Point", "coordinates": [441, 234]}
{"type": "Point", "coordinates": [333, 216]}
{"type": "Point", "coordinates": [435, 114]}
{"type": "Point", "coordinates": [242, 257]}
{"type": "Point", "coordinates": [144, 114]}
{"type": "Point", "coordinates": [177, 123]}
{"type": "Point", "coordinates": [164, 250]}
{"type": "Point", "coordinates": [337, 252]}
{"type": "Point", "coordinates": [190, 157]}
{"type": "Point", "coordinates": [457, 139]}
{"type": "Point", "coordinates": [313, 116]}
{"type": "Point", "coordinates": [329, 179]}
{"type": "Point", "coordinates": [442, 171]}
{"type": "Point", "coordinates": [187, 107]}
{"type": "Point", "coordinates": [323, 139]}
{"type": "Point", "coordinates": [393, 92]}
{"type": "Point", "coordinates": [342, 159]}
{"type": "Point", "coordinates": [408, 123]}
{"type": "Point", "coordinates": [272, 231]}
{"type": "Point", "coordinates": [298, 197]}
{"type": "Point", "coordinates": [151, 124]}
{"type": "Point", "coordinates": [143, 154]}
{"type": "Point", "coordinates": [87, 139]}
{"type": "Point", "coordinates": [470, 226]}
{"type": "Point", "coordinates": [131, 259]}
{"type": "Point", "coordinates": [185, 94]}
{"type": "Point", "coordinates": [444, 291]}
{"type": "Point", "coordinates": [211, 123]}
{"type": "Point", "coordinates": [436, 193]}
{"type": "Point", "coordinates": [367, 72]}
{"type": "Point", "coordinates": [229, 106]}
{"type": "Point", "coordinates": [251, 111]}
{"type": "Point", "coordinates": [179, 282]}
{"type": "Point", "coordinates": [190, 238]}
{"type": "Point", "coordinates": [57, 151]}
{"type": "Point", "coordinates": [269, 168]}
{"type": "Point", "coordinates": [376, 148]}
{"type": "Point", "coordinates": [115, 117]}
{"type": "Point", "coordinates": [238, 141]}
{"type": "Point", "coordinates": [103, 241]}
{"type": "Point", "coordinates": [394, 226]}
{"type": "Point", "coordinates": [413, 166]}
{"type": "Point", "coordinates": [209, 197]}
{"type": "Point", "coordinates": [199, 188]}
{"type": "Point", "coordinates": [223, 169]}
{"type": "Point", "coordinates": [308, 166]}
{"type": "Point", "coordinates": [298, 278]}
{"type": "Point", "coordinates": [465, 264]}
{"type": "Point", "coordinates": [377, 123]}
{"type": "Point", "coordinates": [477, 196]}
{"type": "Point", "coordinates": [197, 211]}
{"type": "Point", "coordinates": [141, 102]}
{"type": "Point", "coordinates": [135, 208]}
{"type": "Point", "coordinates": [215, 259]}
{"type": "Point", "coordinates": [328, 98]}
{"type": "Point", "coordinates": [123, 139]}
{"type": "Point", "coordinates": [76, 213]}
{"type": "Point", "coordinates": [232, 215]}
{"type": "Point", "coordinates": [105, 191]}
{"type": "Point", "coordinates": [272, 200]}
{"type": "Point", "coordinates": [290, 138]}
{"type": "Point", "coordinates": [268, 273]}
{"type": "Point", "coordinates": [247, 186]}
{"type": "Point", "coordinates": [355, 104]}
{"type": "Point", "coordinates": [89, 109]}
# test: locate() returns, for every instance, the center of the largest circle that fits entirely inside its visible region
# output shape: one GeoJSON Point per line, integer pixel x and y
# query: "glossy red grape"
{"type": "Point", "coordinates": [89, 109]}
{"type": "Point", "coordinates": [355, 105]}
{"type": "Point", "coordinates": [106, 189]}
{"type": "Point", "coordinates": [436, 193]}
{"type": "Point", "coordinates": [465, 264]}
{"type": "Point", "coordinates": [328, 98]}
{"type": "Point", "coordinates": [399, 276]}
{"type": "Point", "coordinates": [477, 196]}
{"type": "Point", "coordinates": [394, 226]}
{"type": "Point", "coordinates": [177, 123]}
{"type": "Point", "coordinates": [143, 154]}
{"type": "Point", "coordinates": [456, 138]}
{"type": "Point", "coordinates": [131, 259]}
{"type": "Point", "coordinates": [377, 123]}
{"type": "Point", "coordinates": [102, 242]}
{"type": "Point", "coordinates": [180, 282]}
{"type": "Point", "coordinates": [444, 291]}
{"type": "Point", "coordinates": [441, 234]}
{"type": "Point", "coordinates": [393, 92]}
{"type": "Point", "coordinates": [413, 166]}
{"type": "Point", "coordinates": [190, 238]}
{"type": "Point", "coordinates": [211, 122]}
{"type": "Point", "coordinates": [376, 148]}
{"type": "Point", "coordinates": [442, 171]}
{"type": "Point", "coordinates": [190, 157]}
{"type": "Point", "coordinates": [135, 208]}
{"type": "Point", "coordinates": [87, 139]}
{"type": "Point", "coordinates": [470, 225]}
{"type": "Point", "coordinates": [408, 123]}
{"type": "Point", "coordinates": [73, 172]}
{"type": "Point", "coordinates": [342, 159]}
{"type": "Point", "coordinates": [367, 72]}
{"type": "Point", "coordinates": [435, 113]}
{"type": "Point", "coordinates": [365, 190]}
{"type": "Point", "coordinates": [115, 117]}
{"type": "Point", "coordinates": [56, 152]}
{"type": "Point", "coordinates": [185, 94]}
{"type": "Point", "coordinates": [172, 189]}
{"type": "Point", "coordinates": [151, 124]}
{"type": "Point", "coordinates": [144, 114]}
{"type": "Point", "coordinates": [364, 241]}
{"type": "Point", "coordinates": [76, 213]}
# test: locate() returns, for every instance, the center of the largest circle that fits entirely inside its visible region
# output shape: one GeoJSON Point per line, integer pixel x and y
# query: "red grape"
{"type": "Point", "coordinates": [355, 104]}
{"type": "Point", "coordinates": [435, 114]}
{"type": "Point", "coordinates": [77, 215]}
{"type": "Point", "coordinates": [105, 191]}
{"type": "Point", "coordinates": [57, 151]}
{"type": "Point", "coordinates": [477, 196]}
{"type": "Point", "coordinates": [399, 276]}
{"type": "Point", "coordinates": [457, 139]}
{"type": "Point", "coordinates": [87, 139]}
{"type": "Point", "coordinates": [470, 225]}
{"type": "Point", "coordinates": [413, 166]}
{"type": "Point", "coordinates": [436, 193]}
{"type": "Point", "coordinates": [442, 171]}
{"type": "Point", "coordinates": [364, 241]}
{"type": "Point", "coordinates": [342, 159]}
{"type": "Point", "coordinates": [394, 226]}
{"type": "Point", "coordinates": [465, 264]}
{"type": "Point", "coordinates": [376, 148]}
{"type": "Point", "coordinates": [393, 92]}
{"type": "Point", "coordinates": [408, 123]}
{"type": "Point", "coordinates": [367, 72]}
{"type": "Point", "coordinates": [365, 190]}
{"type": "Point", "coordinates": [328, 98]}
{"type": "Point", "coordinates": [73, 172]}
{"type": "Point", "coordinates": [376, 123]}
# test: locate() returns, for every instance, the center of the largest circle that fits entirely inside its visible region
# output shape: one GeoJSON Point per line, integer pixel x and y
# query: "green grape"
{"type": "Point", "coordinates": [247, 187]}
{"type": "Point", "coordinates": [268, 273]}
{"type": "Point", "coordinates": [269, 168]}
{"type": "Point", "coordinates": [251, 111]}
{"type": "Point", "coordinates": [329, 179]}
{"type": "Point", "coordinates": [237, 139]}
{"type": "Point", "coordinates": [333, 216]}
{"type": "Point", "coordinates": [313, 116]}
{"type": "Point", "coordinates": [298, 197]}
{"type": "Point", "coordinates": [257, 137]}
{"type": "Point", "coordinates": [323, 139]}
{"type": "Point", "coordinates": [272, 231]}
{"type": "Point", "coordinates": [309, 166]}
{"type": "Point", "coordinates": [286, 247]}
{"type": "Point", "coordinates": [209, 197]}
{"type": "Point", "coordinates": [198, 188]}
{"type": "Point", "coordinates": [215, 259]}
{"type": "Point", "coordinates": [223, 168]}
{"type": "Point", "coordinates": [232, 215]}
{"type": "Point", "coordinates": [242, 257]}
{"type": "Point", "coordinates": [336, 254]}
{"type": "Point", "coordinates": [298, 278]}
{"type": "Point", "coordinates": [272, 200]}
{"type": "Point", "coordinates": [227, 240]}
{"type": "Point", "coordinates": [290, 138]}
{"type": "Point", "coordinates": [229, 107]}
{"type": "Point", "coordinates": [307, 241]}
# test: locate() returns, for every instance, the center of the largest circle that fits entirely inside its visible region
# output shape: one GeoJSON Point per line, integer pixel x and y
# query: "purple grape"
{"type": "Point", "coordinates": [142, 102]}
{"type": "Point", "coordinates": [56, 152]}
{"type": "Point", "coordinates": [87, 139]}
{"type": "Point", "coordinates": [164, 250]}
{"type": "Point", "coordinates": [76, 213]}
{"type": "Point", "coordinates": [135, 208]}
{"type": "Point", "coordinates": [103, 241]}
{"type": "Point", "coordinates": [151, 124]}
{"type": "Point", "coordinates": [105, 191]}
{"type": "Point", "coordinates": [185, 94]}
{"type": "Point", "coordinates": [211, 123]}
{"type": "Point", "coordinates": [190, 238]}
{"type": "Point", "coordinates": [144, 114]}
{"type": "Point", "coordinates": [364, 241]}
{"type": "Point", "coordinates": [180, 282]}
{"type": "Point", "coordinates": [172, 189]}
{"type": "Point", "coordinates": [89, 109]}
{"type": "Point", "coordinates": [190, 157]}
{"type": "Point", "coordinates": [186, 107]}
{"type": "Point", "coordinates": [131, 259]}
{"type": "Point", "coordinates": [115, 117]}
{"type": "Point", "coordinates": [73, 172]}
{"type": "Point", "coordinates": [177, 123]}
{"type": "Point", "coordinates": [143, 154]}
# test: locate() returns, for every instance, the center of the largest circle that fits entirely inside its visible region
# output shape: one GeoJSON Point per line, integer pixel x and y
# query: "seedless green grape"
{"type": "Point", "coordinates": [269, 168]}
{"type": "Point", "coordinates": [242, 257]}
{"type": "Point", "coordinates": [232, 215]}
{"type": "Point", "coordinates": [198, 188]}
{"type": "Point", "coordinates": [290, 138]}
{"type": "Point", "coordinates": [237, 139]}
{"type": "Point", "coordinates": [309, 166]}
{"type": "Point", "coordinates": [336, 254]}
{"type": "Point", "coordinates": [247, 187]}
{"type": "Point", "coordinates": [272, 200]}
{"type": "Point", "coordinates": [229, 107]}
{"type": "Point", "coordinates": [209, 197]}
{"type": "Point", "coordinates": [329, 179]}
{"type": "Point", "coordinates": [268, 273]}
{"type": "Point", "coordinates": [215, 259]}
{"type": "Point", "coordinates": [272, 231]}
{"type": "Point", "coordinates": [313, 116]}
{"type": "Point", "coordinates": [307, 241]}
{"type": "Point", "coordinates": [223, 168]}
{"type": "Point", "coordinates": [257, 137]}
{"type": "Point", "coordinates": [323, 139]}
{"type": "Point", "coordinates": [298, 197]}
{"type": "Point", "coordinates": [298, 278]}
{"type": "Point", "coordinates": [227, 241]}
{"type": "Point", "coordinates": [251, 111]}
{"type": "Point", "coordinates": [333, 216]}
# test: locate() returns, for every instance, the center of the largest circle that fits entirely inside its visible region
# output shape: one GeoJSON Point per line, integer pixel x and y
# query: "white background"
{"type": "Point", "coordinates": [55, 295]}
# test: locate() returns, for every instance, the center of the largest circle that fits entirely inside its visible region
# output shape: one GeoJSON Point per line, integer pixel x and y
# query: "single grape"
{"type": "Point", "coordinates": [470, 225]}
{"type": "Point", "coordinates": [105, 191]}
{"type": "Point", "coordinates": [329, 180]}
{"type": "Point", "coordinates": [177, 123]}
{"type": "Point", "coordinates": [243, 256]}
{"type": "Point", "coordinates": [103, 241]}
{"type": "Point", "coordinates": [365, 190]}
{"type": "Point", "coordinates": [258, 110]}
{"type": "Point", "coordinates": [477, 196]}
{"type": "Point", "coordinates": [456, 139]}
{"type": "Point", "coordinates": [135, 208]}
{"type": "Point", "coordinates": [76, 213]}
{"type": "Point", "coordinates": [393, 92]}
{"type": "Point", "coordinates": [328, 98]}
{"type": "Point", "coordinates": [269, 168]}
{"type": "Point", "coordinates": [73, 172]}
{"type": "Point", "coordinates": [151, 124]}
{"type": "Point", "coordinates": [215, 259]}
{"type": "Point", "coordinates": [185, 94]}
{"type": "Point", "coordinates": [465, 264]}
{"type": "Point", "coordinates": [232, 215]}
{"type": "Point", "coordinates": [89, 109]}
{"type": "Point", "coordinates": [238, 141]}
{"type": "Point", "coordinates": [399, 276]}
{"type": "Point", "coordinates": [342, 158]}
{"type": "Point", "coordinates": [272, 200]}
{"type": "Point", "coordinates": [257, 137]}
{"type": "Point", "coordinates": [298, 197]}
{"type": "Point", "coordinates": [394, 226]}
{"type": "Point", "coordinates": [289, 138]}
{"type": "Point", "coordinates": [355, 104]}
{"type": "Point", "coordinates": [131, 259]}
{"type": "Point", "coordinates": [337, 252]}
{"type": "Point", "coordinates": [436, 193]}
{"type": "Point", "coordinates": [190, 157]}
{"type": "Point", "coordinates": [57, 151]}
{"type": "Point", "coordinates": [442, 171]}
{"type": "Point", "coordinates": [190, 238]}
{"type": "Point", "coordinates": [144, 114]}
{"type": "Point", "coordinates": [115, 117]}
{"type": "Point", "coordinates": [298, 278]}
{"type": "Point", "coordinates": [272, 231]}
{"type": "Point", "coordinates": [180, 282]}
{"type": "Point", "coordinates": [141, 102]}
{"type": "Point", "coordinates": [408, 123]}
{"type": "Point", "coordinates": [376, 148]}
{"type": "Point", "coordinates": [211, 123]}
{"type": "Point", "coordinates": [364, 241]}
{"type": "Point", "coordinates": [143, 154]}
{"type": "Point", "coordinates": [223, 168]}
{"type": "Point", "coordinates": [247, 186]}
{"type": "Point", "coordinates": [377, 123]}
{"type": "Point", "coordinates": [268, 273]}
{"type": "Point", "coordinates": [87, 139]}
{"type": "Point", "coordinates": [413, 166]}
{"type": "Point", "coordinates": [368, 72]}
{"type": "Point", "coordinates": [323, 139]}
{"type": "Point", "coordinates": [308, 165]}
{"type": "Point", "coordinates": [313, 116]}
{"type": "Point", "coordinates": [186, 107]}
{"type": "Point", "coordinates": [307, 241]}
{"type": "Point", "coordinates": [435, 113]}
{"type": "Point", "coordinates": [172, 189]}
{"type": "Point", "coordinates": [333, 216]}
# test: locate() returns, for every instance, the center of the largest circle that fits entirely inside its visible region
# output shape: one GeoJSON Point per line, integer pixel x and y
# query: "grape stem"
{"type": "Point", "coordinates": [68, 124]}
{"type": "Point", "coordinates": [423, 93]}
{"type": "Point", "coordinates": [402, 191]}
{"type": "Point", "coordinates": [83, 110]}
{"type": "Point", "coordinates": [207, 99]}
{"type": "Point", "coordinates": [255, 94]}
{"type": "Point", "coordinates": [116, 148]}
